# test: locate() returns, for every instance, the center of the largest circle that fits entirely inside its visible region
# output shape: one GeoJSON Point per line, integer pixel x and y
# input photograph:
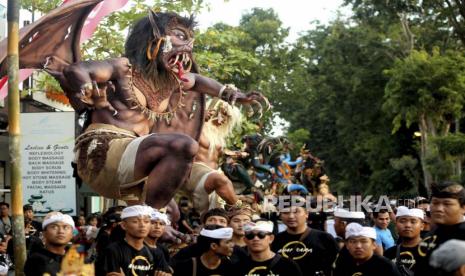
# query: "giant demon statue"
{"type": "Point", "coordinates": [145, 111]}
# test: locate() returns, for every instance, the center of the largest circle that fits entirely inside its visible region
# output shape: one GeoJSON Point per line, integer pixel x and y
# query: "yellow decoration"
{"type": "Point", "coordinates": [73, 264]}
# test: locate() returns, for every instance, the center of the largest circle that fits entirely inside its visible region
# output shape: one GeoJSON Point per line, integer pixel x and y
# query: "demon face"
{"type": "Point", "coordinates": [172, 42]}
{"type": "Point", "coordinates": [161, 43]}
{"type": "Point", "coordinates": [177, 49]}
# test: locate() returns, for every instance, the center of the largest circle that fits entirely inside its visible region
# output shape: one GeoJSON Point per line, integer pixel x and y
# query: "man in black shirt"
{"type": "Point", "coordinates": [57, 233]}
{"type": "Point", "coordinates": [215, 216]}
{"type": "Point", "coordinates": [35, 226]}
{"type": "Point", "coordinates": [409, 223]}
{"type": "Point", "coordinates": [447, 211]}
{"type": "Point", "coordinates": [313, 250]}
{"type": "Point", "coordinates": [216, 245]}
{"type": "Point", "coordinates": [238, 217]}
{"type": "Point", "coordinates": [263, 261]}
{"type": "Point", "coordinates": [342, 218]}
{"type": "Point", "coordinates": [131, 256]}
{"type": "Point", "coordinates": [360, 242]}
{"type": "Point", "coordinates": [159, 222]}
{"type": "Point", "coordinates": [103, 239]}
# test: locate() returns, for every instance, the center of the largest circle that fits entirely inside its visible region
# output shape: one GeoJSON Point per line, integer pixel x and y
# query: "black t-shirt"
{"type": "Point", "coordinates": [185, 268]}
{"type": "Point", "coordinates": [239, 254]}
{"type": "Point", "coordinates": [314, 253]}
{"type": "Point", "coordinates": [117, 234]}
{"type": "Point", "coordinates": [431, 242]}
{"type": "Point", "coordinates": [102, 242]}
{"type": "Point", "coordinates": [185, 253]}
{"type": "Point", "coordinates": [375, 266]}
{"type": "Point", "coordinates": [342, 258]}
{"type": "Point", "coordinates": [181, 227]}
{"type": "Point", "coordinates": [38, 226]}
{"type": "Point", "coordinates": [408, 256]}
{"type": "Point", "coordinates": [164, 250]}
{"type": "Point", "coordinates": [33, 244]}
{"type": "Point", "coordinates": [132, 261]}
{"type": "Point", "coordinates": [281, 267]}
{"type": "Point", "coordinates": [43, 261]}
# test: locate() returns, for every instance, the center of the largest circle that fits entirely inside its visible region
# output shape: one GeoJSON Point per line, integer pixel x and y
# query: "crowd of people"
{"type": "Point", "coordinates": [421, 237]}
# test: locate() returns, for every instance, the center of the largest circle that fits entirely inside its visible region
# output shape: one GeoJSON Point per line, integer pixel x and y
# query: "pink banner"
{"type": "Point", "coordinates": [100, 11]}
{"type": "Point", "coordinates": [23, 74]}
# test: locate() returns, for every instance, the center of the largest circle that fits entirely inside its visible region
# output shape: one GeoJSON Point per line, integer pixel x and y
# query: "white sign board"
{"type": "Point", "coordinates": [47, 141]}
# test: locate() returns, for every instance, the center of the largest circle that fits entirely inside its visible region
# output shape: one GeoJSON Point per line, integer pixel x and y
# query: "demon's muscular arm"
{"type": "Point", "coordinates": [228, 93]}
{"type": "Point", "coordinates": [83, 78]}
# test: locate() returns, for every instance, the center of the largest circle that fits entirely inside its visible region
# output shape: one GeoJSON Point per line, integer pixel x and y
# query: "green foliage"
{"type": "Point", "coordinates": [113, 29]}
{"type": "Point", "coordinates": [425, 85]}
{"type": "Point", "coordinates": [409, 166]}
{"type": "Point", "coordinates": [451, 144]}
{"type": "Point", "coordinates": [334, 89]}
{"type": "Point", "coordinates": [439, 168]}
{"type": "Point", "coordinates": [219, 55]}
{"type": "Point", "coordinates": [245, 128]}
{"type": "Point", "coordinates": [252, 55]}
{"type": "Point", "coordinates": [45, 82]}
{"type": "Point", "coordinates": [42, 6]}
{"type": "Point", "coordinates": [265, 29]}
{"type": "Point", "coordinates": [298, 138]}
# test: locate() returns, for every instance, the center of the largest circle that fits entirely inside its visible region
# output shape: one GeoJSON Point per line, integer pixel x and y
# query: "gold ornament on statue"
{"type": "Point", "coordinates": [73, 264]}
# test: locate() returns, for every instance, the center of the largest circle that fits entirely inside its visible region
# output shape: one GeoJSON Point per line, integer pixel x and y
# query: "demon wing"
{"type": "Point", "coordinates": [51, 42]}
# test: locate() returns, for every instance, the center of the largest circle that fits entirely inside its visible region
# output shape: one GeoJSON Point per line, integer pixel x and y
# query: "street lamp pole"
{"type": "Point", "coordinates": [14, 136]}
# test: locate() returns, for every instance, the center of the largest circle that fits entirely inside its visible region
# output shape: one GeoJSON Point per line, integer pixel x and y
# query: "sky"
{"type": "Point", "coordinates": [296, 14]}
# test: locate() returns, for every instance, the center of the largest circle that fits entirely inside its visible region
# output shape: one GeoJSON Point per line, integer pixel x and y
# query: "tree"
{"type": "Point", "coordinates": [334, 89]}
{"type": "Point", "coordinates": [413, 24]}
{"type": "Point", "coordinates": [426, 90]}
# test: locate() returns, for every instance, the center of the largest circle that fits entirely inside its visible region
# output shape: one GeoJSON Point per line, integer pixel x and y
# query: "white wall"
{"type": "Point", "coordinates": [2, 19]}
{"type": "Point", "coordinates": [24, 15]}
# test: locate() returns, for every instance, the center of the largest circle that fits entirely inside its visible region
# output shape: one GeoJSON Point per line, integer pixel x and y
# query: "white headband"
{"type": "Point", "coordinates": [161, 217]}
{"type": "Point", "coordinates": [220, 233]}
{"type": "Point", "coordinates": [136, 211]}
{"type": "Point", "coordinates": [58, 217]}
{"type": "Point", "coordinates": [403, 211]}
{"type": "Point", "coordinates": [343, 213]}
{"type": "Point", "coordinates": [356, 230]}
{"type": "Point", "coordinates": [264, 226]}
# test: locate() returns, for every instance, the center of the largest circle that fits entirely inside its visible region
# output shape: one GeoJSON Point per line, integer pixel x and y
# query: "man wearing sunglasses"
{"type": "Point", "coordinates": [447, 211]}
{"type": "Point", "coordinates": [263, 261]}
{"type": "Point", "coordinates": [313, 250]}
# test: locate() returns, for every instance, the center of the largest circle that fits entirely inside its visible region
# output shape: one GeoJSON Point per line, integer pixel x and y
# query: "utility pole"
{"type": "Point", "coordinates": [14, 138]}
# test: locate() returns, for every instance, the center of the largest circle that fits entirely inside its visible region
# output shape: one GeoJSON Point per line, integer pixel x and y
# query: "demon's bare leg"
{"type": "Point", "coordinates": [167, 160]}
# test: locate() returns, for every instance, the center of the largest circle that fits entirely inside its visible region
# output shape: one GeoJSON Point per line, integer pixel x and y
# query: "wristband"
{"type": "Point", "coordinates": [223, 88]}
{"type": "Point", "coordinates": [220, 94]}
